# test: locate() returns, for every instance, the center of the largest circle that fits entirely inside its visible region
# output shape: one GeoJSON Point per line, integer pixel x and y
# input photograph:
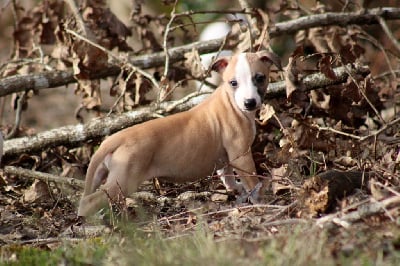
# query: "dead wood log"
{"type": "Point", "coordinates": [30, 174]}
{"type": "Point", "coordinates": [362, 211]}
{"type": "Point", "coordinates": [75, 135]}
{"type": "Point", "coordinates": [53, 79]}
{"type": "Point", "coordinates": [320, 193]}
{"type": "Point", "coordinates": [319, 80]}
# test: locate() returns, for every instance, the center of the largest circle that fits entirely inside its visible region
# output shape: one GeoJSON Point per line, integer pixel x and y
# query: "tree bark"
{"type": "Point", "coordinates": [30, 174]}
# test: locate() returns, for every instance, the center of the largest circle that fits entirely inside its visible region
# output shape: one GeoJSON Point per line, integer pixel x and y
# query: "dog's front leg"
{"type": "Point", "coordinates": [228, 178]}
{"type": "Point", "coordinates": [246, 169]}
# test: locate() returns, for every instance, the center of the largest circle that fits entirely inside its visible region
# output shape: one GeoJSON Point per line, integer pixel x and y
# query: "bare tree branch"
{"type": "Point", "coordinates": [53, 79]}
{"type": "Point", "coordinates": [363, 211]}
{"type": "Point", "coordinates": [318, 80]}
{"type": "Point", "coordinates": [25, 173]}
{"type": "Point", "coordinates": [74, 135]}
{"type": "Point", "coordinates": [370, 16]}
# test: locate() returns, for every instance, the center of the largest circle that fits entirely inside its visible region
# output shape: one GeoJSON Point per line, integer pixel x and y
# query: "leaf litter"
{"type": "Point", "coordinates": [299, 139]}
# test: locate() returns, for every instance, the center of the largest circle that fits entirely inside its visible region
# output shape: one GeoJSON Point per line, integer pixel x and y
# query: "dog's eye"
{"type": "Point", "coordinates": [233, 83]}
{"type": "Point", "coordinates": [259, 78]}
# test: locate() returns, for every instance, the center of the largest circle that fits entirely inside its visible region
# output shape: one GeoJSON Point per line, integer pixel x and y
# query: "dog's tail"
{"type": "Point", "coordinates": [99, 165]}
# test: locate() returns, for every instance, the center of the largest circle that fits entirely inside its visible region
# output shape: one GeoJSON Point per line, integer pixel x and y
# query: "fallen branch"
{"type": "Point", "coordinates": [41, 241]}
{"type": "Point", "coordinates": [363, 211]}
{"type": "Point", "coordinates": [30, 174]}
{"type": "Point", "coordinates": [75, 135]}
{"type": "Point", "coordinates": [53, 79]}
{"type": "Point", "coordinates": [369, 16]}
{"type": "Point", "coordinates": [319, 80]}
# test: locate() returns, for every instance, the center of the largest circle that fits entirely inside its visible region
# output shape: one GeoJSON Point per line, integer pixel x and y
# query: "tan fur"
{"type": "Point", "coordinates": [180, 148]}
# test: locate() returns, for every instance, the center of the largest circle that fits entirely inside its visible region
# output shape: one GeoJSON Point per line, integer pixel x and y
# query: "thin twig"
{"type": "Point", "coordinates": [200, 12]}
{"type": "Point", "coordinates": [376, 43]}
{"type": "Point", "coordinates": [387, 73]}
{"type": "Point", "coordinates": [283, 211]}
{"type": "Point", "coordinates": [251, 20]}
{"type": "Point", "coordinates": [209, 69]}
{"type": "Point", "coordinates": [338, 132]}
{"type": "Point", "coordinates": [363, 138]}
{"type": "Point", "coordinates": [18, 114]}
{"type": "Point", "coordinates": [122, 92]}
{"type": "Point", "coordinates": [109, 53]}
{"type": "Point", "coordinates": [388, 188]}
{"type": "Point", "coordinates": [389, 33]}
{"type": "Point", "coordinates": [186, 99]}
{"type": "Point", "coordinates": [225, 211]}
{"type": "Point", "coordinates": [163, 90]}
{"type": "Point", "coordinates": [348, 70]}
{"type": "Point", "coordinates": [44, 241]}
{"type": "Point", "coordinates": [78, 17]}
{"type": "Point", "coordinates": [165, 39]}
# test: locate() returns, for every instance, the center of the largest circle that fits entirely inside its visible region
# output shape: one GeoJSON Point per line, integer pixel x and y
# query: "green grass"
{"type": "Point", "coordinates": [301, 245]}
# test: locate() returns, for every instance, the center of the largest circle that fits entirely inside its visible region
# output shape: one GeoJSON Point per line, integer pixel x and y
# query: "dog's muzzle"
{"type": "Point", "coordinates": [250, 104]}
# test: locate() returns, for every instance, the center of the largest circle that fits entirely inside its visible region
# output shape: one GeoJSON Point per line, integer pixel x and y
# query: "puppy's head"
{"type": "Point", "coordinates": [247, 74]}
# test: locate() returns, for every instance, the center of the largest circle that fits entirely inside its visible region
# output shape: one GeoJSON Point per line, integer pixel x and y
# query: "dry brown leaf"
{"type": "Point", "coordinates": [263, 41]}
{"type": "Point", "coordinates": [290, 77]}
{"type": "Point", "coordinates": [278, 175]}
{"type": "Point", "coordinates": [378, 192]}
{"type": "Point", "coordinates": [37, 192]}
{"type": "Point", "coordinates": [236, 213]}
{"type": "Point", "coordinates": [320, 99]}
{"type": "Point", "coordinates": [350, 52]}
{"type": "Point", "coordinates": [145, 29]}
{"type": "Point", "coordinates": [192, 218]}
{"type": "Point", "coordinates": [308, 138]}
{"type": "Point", "coordinates": [219, 197]}
{"type": "Point", "coordinates": [317, 37]}
{"type": "Point", "coordinates": [267, 111]}
{"type": "Point", "coordinates": [292, 80]}
{"type": "Point", "coordinates": [112, 33]}
{"type": "Point", "coordinates": [243, 36]}
{"type": "Point", "coordinates": [166, 89]}
{"type": "Point", "coordinates": [193, 63]}
{"type": "Point", "coordinates": [346, 161]}
{"type": "Point", "coordinates": [37, 26]}
{"type": "Point", "coordinates": [86, 60]}
{"type": "Point", "coordinates": [325, 65]}
{"type": "Point", "coordinates": [90, 92]}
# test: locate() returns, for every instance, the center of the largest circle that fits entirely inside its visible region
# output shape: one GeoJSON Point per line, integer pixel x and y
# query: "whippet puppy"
{"type": "Point", "coordinates": [216, 134]}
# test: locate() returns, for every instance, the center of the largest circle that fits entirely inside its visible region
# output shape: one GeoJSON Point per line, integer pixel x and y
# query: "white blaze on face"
{"type": "Point", "coordinates": [246, 90]}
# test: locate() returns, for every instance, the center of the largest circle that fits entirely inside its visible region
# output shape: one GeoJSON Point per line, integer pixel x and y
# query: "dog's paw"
{"type": "Point", "coordinates": [253, 196]}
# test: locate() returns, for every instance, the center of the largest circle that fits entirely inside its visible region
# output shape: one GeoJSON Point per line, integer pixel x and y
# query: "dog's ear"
{"type": "Point", "coordinates": [266, 56]}
{"type": "Point", "coordinates": [220, 65]}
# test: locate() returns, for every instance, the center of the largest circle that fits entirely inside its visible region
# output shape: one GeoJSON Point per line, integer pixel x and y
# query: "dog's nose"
{"type": "Point", "coordinates": [250, 104]}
